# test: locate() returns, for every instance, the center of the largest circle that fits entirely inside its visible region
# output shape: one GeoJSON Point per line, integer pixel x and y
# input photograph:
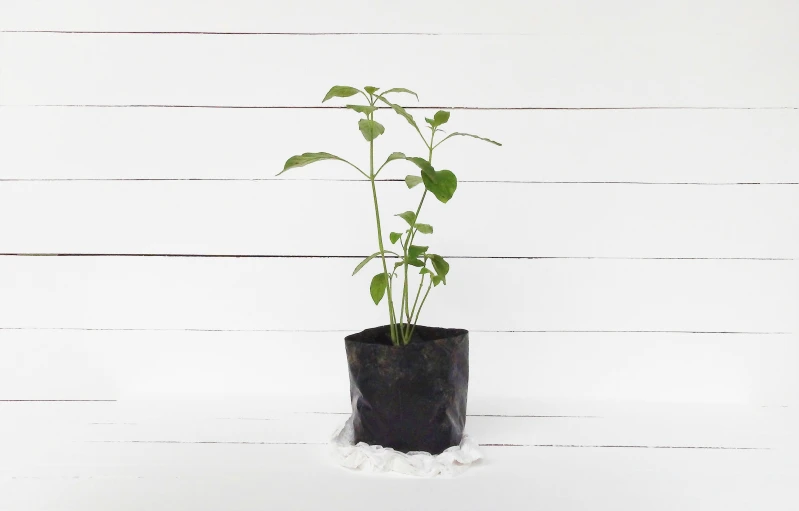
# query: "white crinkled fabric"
{"type": "Point", "coordinates": [374, 458]}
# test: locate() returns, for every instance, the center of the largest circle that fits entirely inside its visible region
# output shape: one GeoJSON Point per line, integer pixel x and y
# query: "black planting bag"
{"type": "Point", "coordinates": [412, 397]}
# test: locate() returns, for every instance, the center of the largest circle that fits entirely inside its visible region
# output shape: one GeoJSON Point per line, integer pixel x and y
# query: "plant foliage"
{"type": "Point", "coordinates": [441, 184]}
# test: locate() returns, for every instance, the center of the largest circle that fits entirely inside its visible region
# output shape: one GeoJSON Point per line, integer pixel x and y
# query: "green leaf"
{"type": "Point", "coordinates": [394, 237]}
{"type": "Point", "coordinates": [457, 134]}
{"type": "Point", "coordinates": [340, 91]}
{"type": "Point", "coordinates": [421, 163]}
{"type": "Point", "coordinates": [425, 270]}
{"type": "Point", "coordinates": [442, 183]}
{"type": "Point", "coordinates": [378, 287]}
{"type": "Point", "coordinates": [415, 262]}
{"type": "Point", "coordinates": [370, 89]}
{"type": "Point", "coordinates": [391, 157]}
{"type": "Point", "coordinates": [362, 109]}
{"type": "Point", "coordinates": [370, 129]}
{"type": "Point", "coordinates": [401, 111]}
{"type": "Point", "coordinates": [425, 228]}
{"type": "Point", "coordinates": [414, 251]}
{"type": "Point", "coordinates": [436, 280]}
{"type": "Point", "coordinates": [395, 156]}
{"type": "Point", "coordinates": [304, 159]}
{"type": "Point", "coordinates": [363, 263]}
{"type": "Point", "coordinates": [440, 266]}
{"type": "Point", "coordinates": [400, 89]}
{"type": "Point", "coordinates": [408, 216]}
{"type": "Point", "coordinates": [440, 118]}
{"type": "Point", "coordinates": [412, 180]}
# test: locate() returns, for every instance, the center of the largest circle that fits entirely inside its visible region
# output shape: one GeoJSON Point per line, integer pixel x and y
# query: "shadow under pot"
{"type": "Point", "coordinates": [411, 397]}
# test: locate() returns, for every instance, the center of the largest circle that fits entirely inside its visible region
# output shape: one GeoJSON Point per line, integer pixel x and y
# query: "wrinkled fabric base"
{"type": "Point", "coordinates": [374, 458]}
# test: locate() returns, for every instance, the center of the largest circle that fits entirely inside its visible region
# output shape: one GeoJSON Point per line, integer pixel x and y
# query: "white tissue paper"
{"type": "Point", "coordinates": [374, 458]}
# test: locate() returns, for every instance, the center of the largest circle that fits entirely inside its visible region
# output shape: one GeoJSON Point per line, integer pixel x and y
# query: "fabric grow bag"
{"type": "Point", "coordinates": [412, 397]}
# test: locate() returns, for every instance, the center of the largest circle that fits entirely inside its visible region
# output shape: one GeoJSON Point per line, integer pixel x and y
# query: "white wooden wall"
{"type": "Point", "coordinates": [636, 237]}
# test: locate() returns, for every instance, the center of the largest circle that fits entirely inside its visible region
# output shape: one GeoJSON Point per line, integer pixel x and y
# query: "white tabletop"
{"type": "Point", "coordinates": [271, 453]}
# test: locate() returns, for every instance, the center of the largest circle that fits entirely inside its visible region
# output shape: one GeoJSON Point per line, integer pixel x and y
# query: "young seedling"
{"type": "Point", "coordinates": [433, 268]}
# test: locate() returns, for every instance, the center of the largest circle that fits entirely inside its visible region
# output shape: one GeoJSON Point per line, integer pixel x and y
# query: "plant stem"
{"type": "Point", "coordinates": [418, 293]}
{"type": "Point", "coordinates": [430, 161]}
{"type": "Point", "coordinates": [412, 234]}
{"type": "Point", "coordinates": [413, 327]}
{"type": "Point", "coordinates": [404, 302]}
{"type": "Point", "coordinates": [391, 316]}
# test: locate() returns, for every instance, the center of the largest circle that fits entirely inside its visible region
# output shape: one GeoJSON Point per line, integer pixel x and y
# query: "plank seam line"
{"type": "Point", "coordinates": [288, 256]}
{"type": "Point", "coordinates": [58, 400]}
{"type": "Point", "coordinates": [481, 108]}
{"type": "Point", "coordinates": [349, 180]}
{"type": "Point", "coordinates": [330, 331]}
{"type": "Point", "coordinates": [632, 446]}
{"type": "Point", "coordinates": [245, 419]}
{"type": "Point", "coordinates": [249, 33]}
{"type": "Point", "coordinates": [486, 415]}
{"type": "Point", "coordinates": [588, 446]}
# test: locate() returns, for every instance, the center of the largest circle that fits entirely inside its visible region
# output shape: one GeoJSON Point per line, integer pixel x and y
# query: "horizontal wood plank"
{"type": "Point", "coordinates": [320, 294]}
{"type": "Point", "coordinates": [324, 218]}
{"type": "Point", "coordinates": [655, 367]}
{"type": "Point", "coordinates": [577, 18]}
{"type": "Point", "coordinates": [256, 422]}
{"type": "Point", "coordinates": [210, 477]}
{"type": "Point", "coordinates": [153, 448]}
{"type": "Point", "coordinates": [693, 146]}
{"type": "Point", "coordinates": [612, 70]}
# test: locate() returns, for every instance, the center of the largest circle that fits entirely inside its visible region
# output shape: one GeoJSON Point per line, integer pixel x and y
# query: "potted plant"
{"type": "Point", "coordinates": [408, 382]}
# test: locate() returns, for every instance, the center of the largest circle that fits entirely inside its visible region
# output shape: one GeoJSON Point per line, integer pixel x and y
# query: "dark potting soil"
{"type": "Point", "coordinates": [412, 397]}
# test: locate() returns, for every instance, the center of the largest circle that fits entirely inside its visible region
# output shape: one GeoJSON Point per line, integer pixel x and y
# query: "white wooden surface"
{"type": "Point", "coordinates": [270, 453]}
{"type": "Point", "coordinates": [697, 70]}
{"type": "Point", "coordinates": [324, 218]}
{"type": "Point", "coordinates": [278, 294]}
{"type": "Point", "coordinates": [446, 16]}
{"type": "Point", "coordinates": [626, 262]}
{"type": "Point", "coordinates": [699, 368]}
{"type": "Point", "coordinates": [651, 146]}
